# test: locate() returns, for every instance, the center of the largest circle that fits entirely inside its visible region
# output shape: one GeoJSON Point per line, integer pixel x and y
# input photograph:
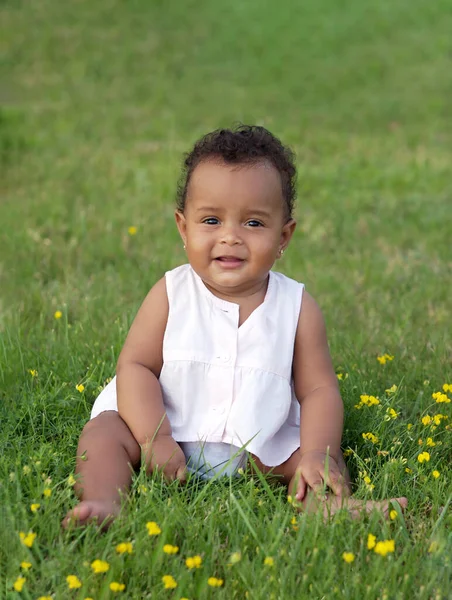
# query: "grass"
{"type": "Point", "coordinates": [101, 100]}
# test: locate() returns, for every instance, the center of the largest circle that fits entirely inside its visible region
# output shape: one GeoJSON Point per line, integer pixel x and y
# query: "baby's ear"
{"type": "Point", "coordinates": [181, 225]}
{"type": "Point", "coordinates": [287, 232]}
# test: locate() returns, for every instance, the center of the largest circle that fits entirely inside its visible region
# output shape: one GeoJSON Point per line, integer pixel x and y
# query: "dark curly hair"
{"type": "Point", "coordinates": [241, 145]}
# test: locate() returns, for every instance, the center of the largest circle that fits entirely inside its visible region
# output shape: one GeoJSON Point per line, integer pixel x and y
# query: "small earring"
{"type": "Point", "coordinates": [281, 252]}
{"type": "Point", "coordinates": [184, 247]}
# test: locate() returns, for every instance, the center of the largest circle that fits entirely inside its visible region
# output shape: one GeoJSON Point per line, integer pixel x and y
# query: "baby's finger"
{"type": "Point", "coordinates": [181, 474]}
{"type": "Point", "coordinates": [301, 488]}
{"type": "Point", "coordinates": [317, 485]}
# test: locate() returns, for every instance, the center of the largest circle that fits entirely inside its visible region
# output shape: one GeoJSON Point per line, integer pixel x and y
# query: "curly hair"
{"type": "Point", "coordinates": [245, 144]}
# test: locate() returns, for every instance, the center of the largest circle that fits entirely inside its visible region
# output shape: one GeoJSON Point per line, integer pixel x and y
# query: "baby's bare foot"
{"type": "Point", "coordinates": [332, 504]}
{"type": "Point", "coordinates": [102, 512]}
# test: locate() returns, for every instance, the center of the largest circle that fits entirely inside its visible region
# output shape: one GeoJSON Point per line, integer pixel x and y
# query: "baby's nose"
{"type": "Point", "coordinates": [231, 235]}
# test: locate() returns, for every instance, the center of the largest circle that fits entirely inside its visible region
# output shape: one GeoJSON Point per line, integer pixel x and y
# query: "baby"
{"type": "Point", "coordinates": [226, 359]}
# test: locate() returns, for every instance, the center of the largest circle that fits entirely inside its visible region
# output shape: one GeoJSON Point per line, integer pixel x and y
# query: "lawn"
{"type": "Point", "coordinates": [100, 101]}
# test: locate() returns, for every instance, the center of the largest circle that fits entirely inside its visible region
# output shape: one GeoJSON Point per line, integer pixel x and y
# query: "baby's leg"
{"type": "Point", "coordinates": [311, 502]}
{"type": "Point", "coordinates": [106, 454]}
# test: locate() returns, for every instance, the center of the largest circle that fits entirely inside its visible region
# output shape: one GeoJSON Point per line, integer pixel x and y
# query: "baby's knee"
{"type": "Point", "coordinates": [108, 427]}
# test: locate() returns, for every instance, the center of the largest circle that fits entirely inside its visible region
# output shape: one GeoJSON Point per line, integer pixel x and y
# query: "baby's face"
{"type": "Point", "coordinates": [234, 225]}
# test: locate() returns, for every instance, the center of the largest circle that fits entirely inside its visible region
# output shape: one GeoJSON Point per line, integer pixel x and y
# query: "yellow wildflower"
{"type": "Point", "coordinates": [347, 452]}
{"type": "Point", "coordinates": [25, 565]}
{"type": "Point", "coordinates": [447, 387]}
{"type": "Point", "coordinates": [34, 507]}
{"type": "Point", "coordinates": [132, 230]}
{"type": "Point", "coordinates": [440, 397]}
{"type": "Point", "coordinates": [169, 582]}
{"type": "Point", "coordinates": [19, 584]}
{"type": "Point", "coordinates": [426, 420]}
{"type": "Point", "coordinates": [33, 372]}
{"type": "Point", "coordinates": [409, 426]}
{"type": "Point", "coordinates": [436, 474]}
{"type": "Point", "coordinates": [71, 480]}
{"type": "Point", "coordinates": [26, 469]}
{"type": "Point", "coordinates": [47, 492]}
{"type": "Point", "coordinates": [430, 442]}
{"type": "Point", "coordinates": [27, 539]}
{"type": "Point", "coordinates": [384, 547]}
{"type": "Point", "coordinates": [408, 470]}
{"type": "Point", "coordinates": [80, 387]}
{"type": "Point", "coordinates": [349, 557]}
{"type": "Point", "coordinates": [423, 457]}
{"type": "Point", "coordinates": [235, 558]}
{"type": "Point", "coordinates": [391, 413]}
{"type": "Point", "coordinates": [58, 314]}
{"type": "Point", "coordinates": [117, 587]}
{"type": "Point", "coordinates": [392, 389]}
{"type": "Point", "coordinates": [214, 582]}
{"type": "Point", "coordinates": [153, 528]}
{"type": "Point", "coordinates": [371, 437]}
{"type": "Point", "coordinates": [438, 418]}
{"type": "Point", "coordinates": [269, 562]}
{"type": "Point", "coordinates": [385, 358]}
{"type": "Point", "coordinates": [100, 566]}
{"type": "Point", "coordinates": [124, 547]}
{"type": "Point", "coordinates": [193, 562]}
{"type": "Point", "coordinates": [168, 549]}
{"type": "Point", "coordinates": [371, 540]}
{"type": "Point", "coordinates": [46, 598]}
{"type": "Point", "coordinates": [73, 582]}
{"type": "Point", "coordinates": [289, 499]}
{"type": "Point", "coordinates": [393, 515]}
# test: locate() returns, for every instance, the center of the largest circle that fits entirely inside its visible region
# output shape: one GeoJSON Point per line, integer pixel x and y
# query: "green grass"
{"type": "Point", "coordinates": [101, 100]}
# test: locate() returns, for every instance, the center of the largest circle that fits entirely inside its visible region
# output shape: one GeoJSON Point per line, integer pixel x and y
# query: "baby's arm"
{"type": "Point", "coordinates": [140, 401]}
{"type": "Point", "coordinates": [322, 411]}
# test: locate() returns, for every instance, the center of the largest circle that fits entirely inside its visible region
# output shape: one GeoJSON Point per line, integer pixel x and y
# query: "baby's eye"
{"type": "Point", "coordinates": [211, 221]}
{"type": "Point", "coordinates": [254, 223]}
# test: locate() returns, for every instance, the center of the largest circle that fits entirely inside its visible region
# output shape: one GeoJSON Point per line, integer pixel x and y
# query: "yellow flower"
{"type": "Point", "coordinates": [27, 539]}
{"type": "Point", "coordinates": [193, 562]}
{"type": "Point", "coordinates": [153, 528]}
{"type": "Point", "coordinates": [289, 499]}
{"type": "Point", "coordinates": [100, 566]}
{"type": "Point", "coordinates": [35, 507]}
{"type": "Point", "coordinates": [124, 547]}
{"type": "Point", "coordinates": [235, 558]}
{"type": "Point", "coordinates": [347, 452]}
{"type": "Point", "coordinates": [391, 413]}
{"type": "Point", "coordinates": [384, 358]}
{"type": "Point", "coordinates": [33, 372]}
{"type": "Point", "coordinates": [371, 437]}
{"type": "Point", "coordinates": [349, 557]}
{"type": "Point", "coordinates": [438, 418]}
{"type": "Point", "coordinates": [436, 474]}
{"type": "Point", "coordinates": [439, 397]}
{"type": "Point", "coordinates": [371, 540]}
{"type": "Point", "coordinates": [132, 230]}
{"type": "Point", "coordinates": [423, 457]}
{"type": "Point", "coordinates": [80, 387]}
{"type": "Point", "coordinates": [19, 584]}
{"type": "Point", "coordinates": [408, 470]}
{"type": "Point", "coordinates": [117, 587]}
{"type": "Point", "coordinates": [71, 480]}
{"type": "Point", "coordinates": [447, 387]}
{"type": "Point", "coordinates": [26, 469]}
{"type": "Point", "coordinates": [46, 598]}
{"type": "Point", "coordinates": [168, 549]}
{"type": "Point", "coordinates": [214, 582]}
{"type": "Point", "coordinates": [25, 565]}
{"type": "Point", "coordinates": [392, 389]}
{"type": "Point", "coordinates": [73, 582]}
{"type": "Point", "coordinates": [384, 547]}
{"type": "Point", "coordinates": [426, 420]}
{"type": "Point", "coordinates": [169, 582]}
{"type": "Point", "coordinates": [393, 515]}
{"type": "Point", "coordinates": [47, 492]}
{"type": "Point", "coordinates": [409, 426]}
{"type": "Point", "coordinates": [58, 314]}
{"type": "Point", "coordinates": [269, 562]}
{"type": "Point", "coordinates": [430, 442]}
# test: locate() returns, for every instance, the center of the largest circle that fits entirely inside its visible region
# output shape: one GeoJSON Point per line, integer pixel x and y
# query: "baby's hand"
{"type": "Point", "coordinates": [165, 454]}
{"type": "Point", "coordinates": [311, 472]}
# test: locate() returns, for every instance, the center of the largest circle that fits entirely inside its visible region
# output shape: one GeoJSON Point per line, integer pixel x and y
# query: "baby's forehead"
{"type": "Point", "coordinates": [221, 178]}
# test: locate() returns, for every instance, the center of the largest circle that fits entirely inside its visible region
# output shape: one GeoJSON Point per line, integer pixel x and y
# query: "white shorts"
{"type": "Point", "coordinates": [206, 459]}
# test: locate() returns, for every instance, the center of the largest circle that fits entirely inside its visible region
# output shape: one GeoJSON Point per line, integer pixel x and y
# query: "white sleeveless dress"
{"type": "Point", "coordinates": [226, 388]}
